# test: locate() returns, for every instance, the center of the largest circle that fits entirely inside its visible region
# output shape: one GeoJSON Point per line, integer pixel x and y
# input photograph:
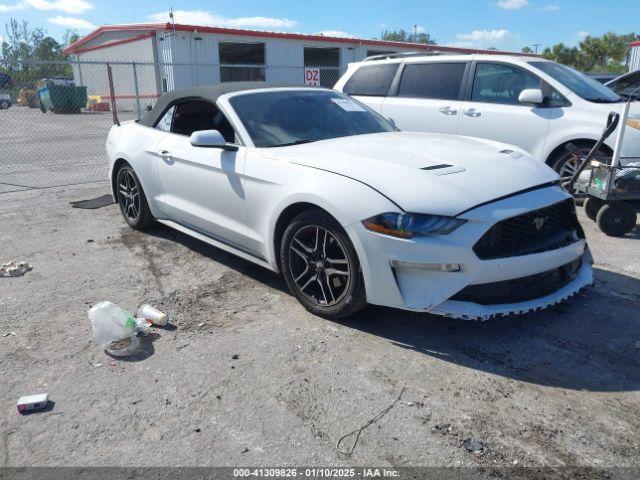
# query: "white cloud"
{"type": "Point", "coordinates": [334, 33]}
{"type": "Point", "coordinates": [10, 8]}
{"type": "Point", "coordinates": [381, 25]}
{"type": "Point", "coordinates": [485, 35]}
{"type": "Point", "coordinates": [201, 17]}
{"type": "Point", "coordinates": [66, 6]}
{"type": "Point", "coordinates": [512, 4]}
{"type": "Point", "coordinates": [550, 8]}
{"type": "Point", "coordinates": [419, 29]}
{"type": "Point", "coordinates": [71, 22]}
{"type": "Point", "coordinates": [582, 35]}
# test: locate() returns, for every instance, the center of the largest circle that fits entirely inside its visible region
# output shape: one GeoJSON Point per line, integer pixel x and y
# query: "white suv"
{"type": "Point", "coordinates": [535, 104]}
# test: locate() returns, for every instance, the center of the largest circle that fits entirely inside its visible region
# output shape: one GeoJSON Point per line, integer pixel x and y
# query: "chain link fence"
{"type": "Point", "coordinates": [56, 115]}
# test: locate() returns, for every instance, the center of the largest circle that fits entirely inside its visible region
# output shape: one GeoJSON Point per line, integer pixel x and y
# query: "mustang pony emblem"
{"type": "Point", "coordinates": [539, 222]}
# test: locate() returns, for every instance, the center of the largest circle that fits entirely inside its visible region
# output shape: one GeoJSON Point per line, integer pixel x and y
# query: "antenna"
{"type": "Point", "coordinates": [172, 21]}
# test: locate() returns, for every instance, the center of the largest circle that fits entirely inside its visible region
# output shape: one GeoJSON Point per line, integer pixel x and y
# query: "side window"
{"type": "Point", "coordinates": [500, 83]}
{"type": "Point", "coordinates": [195, 115]}
{"type": "Point", "coordinates": [553, 98]}
{"type": "Point", "coordinates": [432, 80]}
{"type": "Point", "coordinates": [372, 80]}
{"type": "Point", "coordinates": [165, 122]}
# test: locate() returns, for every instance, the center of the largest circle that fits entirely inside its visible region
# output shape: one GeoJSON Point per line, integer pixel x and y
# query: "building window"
{"type": "Point", "coordinates": [327, 60]}
{"type": "Point", "coordinates": [242, 62]}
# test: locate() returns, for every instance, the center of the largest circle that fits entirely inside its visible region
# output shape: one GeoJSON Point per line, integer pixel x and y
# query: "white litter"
{"type": "Point", "coordinates": [152, 314]}
{"type": "Point", "coordinates": [14, 269]}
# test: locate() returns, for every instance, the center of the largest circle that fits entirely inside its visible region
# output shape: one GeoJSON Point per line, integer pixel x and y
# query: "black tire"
{"type": "Point", "coordinates": [591, 207]}
{"type": "Point", "coordinates": [315, 245]}
{"type": "Point", "coordinates": [132, 200]}
{"type": "Point", "coordinates": [566, 162]}
{"type": "Point", "coordinates": [617, 219]}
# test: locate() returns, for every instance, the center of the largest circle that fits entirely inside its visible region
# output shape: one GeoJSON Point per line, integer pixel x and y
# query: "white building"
{"type": "Point", "coordinates": [169, 57]}
{"type": "Point", "coordinates": [634, 58]}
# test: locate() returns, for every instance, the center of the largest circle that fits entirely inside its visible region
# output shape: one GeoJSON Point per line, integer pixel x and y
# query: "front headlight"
{"type": "Point", "coordinates": [409, 225]}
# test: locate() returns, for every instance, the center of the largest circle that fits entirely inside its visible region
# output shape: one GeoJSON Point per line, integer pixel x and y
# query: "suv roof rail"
{"type": "Point", "coordinates": [388, 56]}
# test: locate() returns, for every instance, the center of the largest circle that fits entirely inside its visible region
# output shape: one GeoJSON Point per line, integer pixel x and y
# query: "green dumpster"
{"type": "Point", "coordinates": [62, 98]}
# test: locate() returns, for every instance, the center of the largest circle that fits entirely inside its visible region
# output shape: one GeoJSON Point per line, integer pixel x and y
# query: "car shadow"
{"type": "Point", "coordinates": [591, 342]}
{"type": "Point", "coordinates": [262, 275]}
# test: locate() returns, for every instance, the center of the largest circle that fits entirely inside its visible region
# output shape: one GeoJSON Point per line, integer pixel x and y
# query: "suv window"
{"type": "Point", "coordinates": [501, 83]}
{"type": "Point", "coordinates": [372, 80]}
{"type": "Point", "coordinates": [195, 115]}
{"type": "Point", "coordinates": [432, 80]}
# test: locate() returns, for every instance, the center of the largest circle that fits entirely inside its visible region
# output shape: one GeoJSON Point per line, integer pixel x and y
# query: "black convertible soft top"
{"type": "Point", "coordinates": [209, 92]}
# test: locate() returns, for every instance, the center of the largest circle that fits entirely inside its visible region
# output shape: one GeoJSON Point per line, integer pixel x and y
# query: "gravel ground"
{"type": "Point", "coordinates": [248, 377]}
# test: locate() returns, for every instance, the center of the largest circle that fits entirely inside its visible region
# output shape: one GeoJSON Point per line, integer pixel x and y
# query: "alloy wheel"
{"type": "Point", "coordinates": [129, 195]}
{"type": "Point", "coordinates": [319, 265]}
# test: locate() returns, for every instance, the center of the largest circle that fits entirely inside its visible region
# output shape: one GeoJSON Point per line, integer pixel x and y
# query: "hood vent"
{"type": "Point", "coordinates": [437, 167]}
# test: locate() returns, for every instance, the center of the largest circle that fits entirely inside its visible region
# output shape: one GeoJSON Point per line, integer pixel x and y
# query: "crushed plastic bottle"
{"type": "Point", "coordinates": [110, 322]}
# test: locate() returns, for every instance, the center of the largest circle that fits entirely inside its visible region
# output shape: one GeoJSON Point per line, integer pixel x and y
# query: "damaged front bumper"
{"type": "Point", "coordinates": [466, 310]}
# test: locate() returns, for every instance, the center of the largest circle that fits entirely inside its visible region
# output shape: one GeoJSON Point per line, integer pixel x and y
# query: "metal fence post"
{"type": "Point", "coordinates": [135, 86]}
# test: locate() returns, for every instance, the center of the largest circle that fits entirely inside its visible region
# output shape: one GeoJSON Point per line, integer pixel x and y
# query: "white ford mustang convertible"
{"type": "Point", "coordinates": [315, 185]}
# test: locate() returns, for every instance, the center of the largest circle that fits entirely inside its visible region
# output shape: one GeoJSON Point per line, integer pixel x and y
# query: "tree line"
{"type": "Point", "coordinates": [24, 47]}
{"type": "Point", "coordinates": [606, 53]}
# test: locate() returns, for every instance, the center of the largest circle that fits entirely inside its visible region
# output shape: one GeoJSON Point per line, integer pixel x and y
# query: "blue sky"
{"type": "Point", "coordinates": [504, 24]}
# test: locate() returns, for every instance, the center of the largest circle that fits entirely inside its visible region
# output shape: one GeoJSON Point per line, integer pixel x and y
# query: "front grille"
{"type": "Point", "coordinates": [548, 228]}
{"type": "Point", "coordinates": [520, 289]}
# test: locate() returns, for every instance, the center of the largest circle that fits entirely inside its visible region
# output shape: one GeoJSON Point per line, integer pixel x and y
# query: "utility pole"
{"type": "Point", "coordinates": [535, 45]}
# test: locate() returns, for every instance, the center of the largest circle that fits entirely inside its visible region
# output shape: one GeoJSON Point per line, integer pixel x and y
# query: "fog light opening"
{"type": "Point", "coordinates": [437, 267]}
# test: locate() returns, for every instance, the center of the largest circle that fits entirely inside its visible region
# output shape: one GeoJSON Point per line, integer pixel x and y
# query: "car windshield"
{"type": "Point", "coordinates": [291, 117]}
{"type": "Point", "coordinates": [627, 85]}
{"type": "Point", "coordinates": [578, 83]}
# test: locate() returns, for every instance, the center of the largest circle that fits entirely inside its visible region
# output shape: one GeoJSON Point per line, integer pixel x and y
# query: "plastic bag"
{"type": "Point", "coordinates": [111, 322]}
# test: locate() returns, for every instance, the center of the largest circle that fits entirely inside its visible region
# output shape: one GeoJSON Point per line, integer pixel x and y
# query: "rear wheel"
{"type": "Point", "coordinates": [321, 267]}
{"type": "Point", "coordinates": [591, 207]}
{"type": "Point", "coordinates": [132, 200]}
{"type": "Point", "coordinates": [617, 219]}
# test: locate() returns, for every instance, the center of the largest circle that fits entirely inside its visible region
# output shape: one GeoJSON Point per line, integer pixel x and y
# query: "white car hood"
{"type": "Point", "coordinates": [394, 164]}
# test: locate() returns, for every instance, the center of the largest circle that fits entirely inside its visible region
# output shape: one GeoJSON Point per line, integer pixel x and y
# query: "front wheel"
{"type": "Point", "coordinates": [321, 267]}
{"type": "Point", "coordinates": [567, 163]}
{"type": "Point", "coordinates": [132, 200]}
{"type": "Point", "coordinates": [617, 218]}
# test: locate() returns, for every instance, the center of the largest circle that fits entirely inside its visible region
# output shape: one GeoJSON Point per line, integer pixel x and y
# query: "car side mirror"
{"type": "Point", "coordinates": [210, 139]}
{"type": "Point", "coordinates": [531, 96]}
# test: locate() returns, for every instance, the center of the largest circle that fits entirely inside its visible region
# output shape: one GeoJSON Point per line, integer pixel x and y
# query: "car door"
{"type": "Point", "coordinates": [493, 110]}
{"type": "Point", "coordinates": [428, 97]}
{"type": "Point", "coordinates": [203, 187]}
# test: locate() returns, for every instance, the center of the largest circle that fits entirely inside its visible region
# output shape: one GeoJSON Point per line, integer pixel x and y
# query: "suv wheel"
{"type": "Point", "coordinates": [566, 163]}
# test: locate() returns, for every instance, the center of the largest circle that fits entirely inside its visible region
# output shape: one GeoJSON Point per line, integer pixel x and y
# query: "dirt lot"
{"type": "Point", "coordinates": [248, 377]}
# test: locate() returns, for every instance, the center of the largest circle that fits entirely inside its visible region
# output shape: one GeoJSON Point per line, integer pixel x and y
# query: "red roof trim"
{"type": "Point", "coordinates": [75, 47]}
{"type": "Point", "coordinates": [635, 44]}
{"type": "Point", "coordinates": [113, 43]}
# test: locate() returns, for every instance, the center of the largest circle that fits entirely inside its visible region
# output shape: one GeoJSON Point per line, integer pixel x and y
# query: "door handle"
{"type": "Point", "coordinates": [472, 112]}
{"type": "Point", "coordinates": [448, 110]}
